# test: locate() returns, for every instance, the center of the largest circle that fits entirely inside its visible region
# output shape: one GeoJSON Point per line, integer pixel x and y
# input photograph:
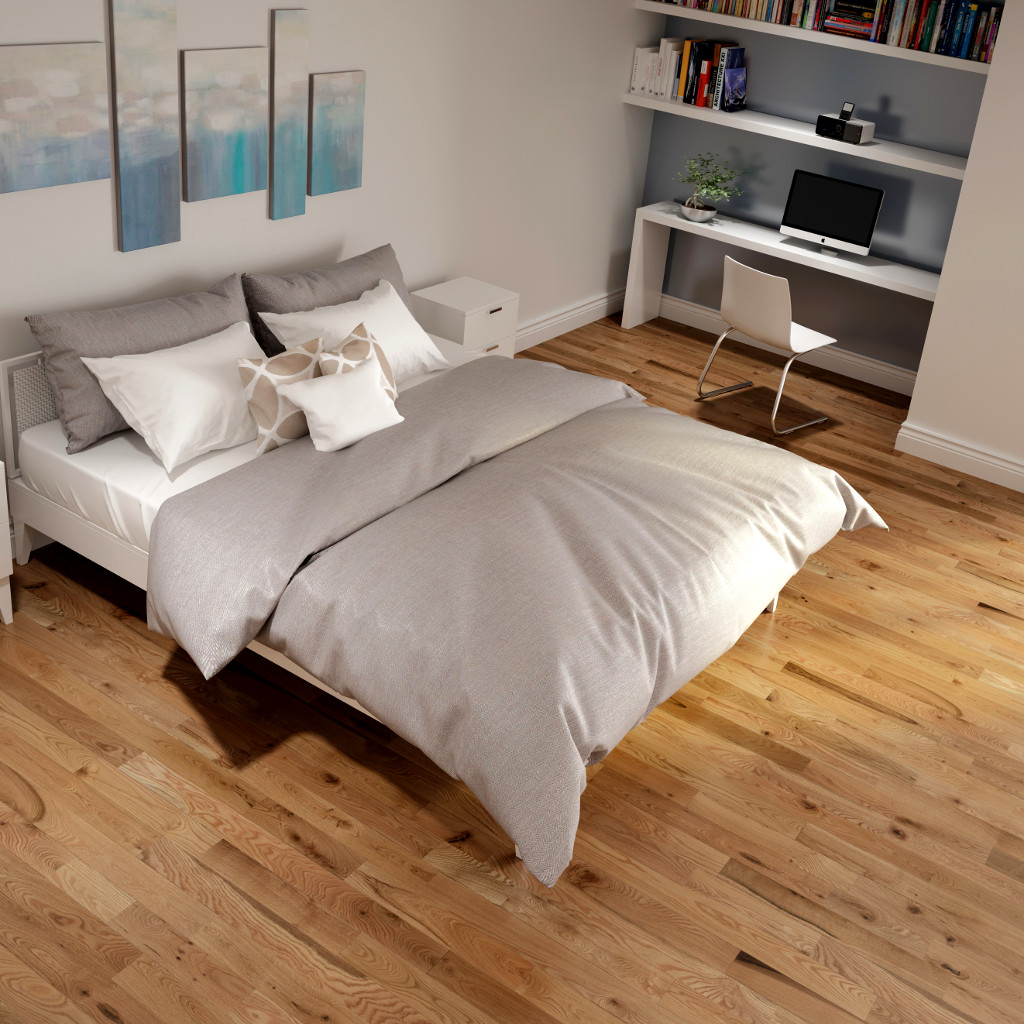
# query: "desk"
{"type": "Point", "coordinates": [654, 225]}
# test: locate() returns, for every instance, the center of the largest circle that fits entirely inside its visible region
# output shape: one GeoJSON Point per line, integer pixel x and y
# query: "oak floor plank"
{"type": "Point", "coordinates": [824, 827]}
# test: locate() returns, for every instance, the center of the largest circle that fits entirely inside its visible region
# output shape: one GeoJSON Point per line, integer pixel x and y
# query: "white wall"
{"type": "Point", "coordinates": [966, 412]}
{"type": "Point", "coordinates": [496, 145]}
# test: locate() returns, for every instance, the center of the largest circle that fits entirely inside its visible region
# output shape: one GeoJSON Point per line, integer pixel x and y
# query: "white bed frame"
{"type": "Point", "coordinates": [26, 401]}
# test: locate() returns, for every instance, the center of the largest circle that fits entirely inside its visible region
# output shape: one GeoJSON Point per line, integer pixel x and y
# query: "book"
{"type": "Point", "coordinates": [734, 89]}
{"type": "Point", "coordinates": [970, 15]}
{"type": "Point", "coordinates": [683, 65]}
{"type": "Point", "coordinates": [665, 50]}
{"type": "Point", "coordinates": [953, 29]}
{"type": "Point", "coordinates": [702, 84]}
{"type": "Point", "coordinates": [909, 20]}
{"type": "Point", "coordinates": [640, 58]}
{"type": "Point", "coordinates": [697, 49]}
{"type": "Point", "coordinates": [731, 57]}
{"type": "Point", "coordinates": [948, 16]}
{"type": "Point", "coordinates": [715, 62]}
{"type": "Point", "coordinates": [940, 15]}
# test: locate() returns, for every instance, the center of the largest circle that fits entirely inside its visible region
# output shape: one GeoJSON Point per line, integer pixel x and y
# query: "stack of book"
{"type": "Point", "coordinates": [703, 72]}
{"type": "Point", "coordinates": [954, 28]}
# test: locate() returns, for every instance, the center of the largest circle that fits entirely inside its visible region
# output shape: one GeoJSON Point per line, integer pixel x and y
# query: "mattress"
{"type": "Point", "coordinates": [119, 484]}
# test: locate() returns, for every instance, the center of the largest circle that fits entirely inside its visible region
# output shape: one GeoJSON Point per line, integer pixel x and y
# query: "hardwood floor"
{"type": "Point", "coordinates": [826, 826]}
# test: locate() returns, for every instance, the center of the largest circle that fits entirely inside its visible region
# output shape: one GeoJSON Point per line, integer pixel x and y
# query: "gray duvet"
{"type": "Point", "coordinates": [511, 579]}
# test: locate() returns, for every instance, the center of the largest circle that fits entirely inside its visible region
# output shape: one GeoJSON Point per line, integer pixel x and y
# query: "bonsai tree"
{"type": "Point", "coordinates": [710, 180]}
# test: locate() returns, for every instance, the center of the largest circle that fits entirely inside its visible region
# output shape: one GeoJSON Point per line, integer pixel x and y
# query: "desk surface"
{"type": "Point", "coordinates": [872, 270]}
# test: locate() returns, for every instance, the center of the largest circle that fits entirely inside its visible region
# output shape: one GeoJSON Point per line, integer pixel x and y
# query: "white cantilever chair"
{"type": "Point", "coordinates": [758, 304]}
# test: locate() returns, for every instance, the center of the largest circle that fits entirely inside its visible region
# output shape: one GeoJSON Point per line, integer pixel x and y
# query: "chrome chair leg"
{"type": "Point", "coordinates": [778, 398]}
{"type": "Point", "coordinates": [701, 393]}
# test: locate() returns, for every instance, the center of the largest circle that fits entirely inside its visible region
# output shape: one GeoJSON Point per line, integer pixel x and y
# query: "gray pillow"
{"type": "Point", "coordinates": [322, 286]}
{"type": "Point", "coordinates": [86, 414]}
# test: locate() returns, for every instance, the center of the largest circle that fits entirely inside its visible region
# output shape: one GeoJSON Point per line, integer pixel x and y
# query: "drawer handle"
{"type": "Point", "coordinates": [493, 348]}
{"type": "Point", "coordinates": [490, 312]}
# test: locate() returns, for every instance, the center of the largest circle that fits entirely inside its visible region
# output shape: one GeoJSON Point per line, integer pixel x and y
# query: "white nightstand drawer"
{"type": "Point", "coordinates": [490, 325]}
{"type": "Point", "coordinates": [504, 347]}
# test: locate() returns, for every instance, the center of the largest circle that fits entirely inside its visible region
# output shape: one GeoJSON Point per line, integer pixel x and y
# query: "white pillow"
{"type": "Point", "coordinates": [184, 401]}
{"type": "Point", "coordinates": [342, 408]}
{"type": "Point", "coordinates": [407, 346]}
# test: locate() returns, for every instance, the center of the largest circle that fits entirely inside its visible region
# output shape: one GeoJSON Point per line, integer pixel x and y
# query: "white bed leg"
{"type": "Point", "coordinates": [519, 856]}
{"type": "Point", "coordinates": [6, 607]}
{"type": "Point", "coordinates": [24, 537]}
{"type": "Point", "coordinates": [772, 604]}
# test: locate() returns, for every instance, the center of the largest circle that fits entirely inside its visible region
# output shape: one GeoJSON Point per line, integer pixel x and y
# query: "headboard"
{"type": "Point", "coordinates": [25, 399]}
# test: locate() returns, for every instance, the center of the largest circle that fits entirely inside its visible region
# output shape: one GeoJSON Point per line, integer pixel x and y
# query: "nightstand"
{"type": "Point", "coordinates": [477, 315]}
{"type": "Point", "coordinates": [6, 563]}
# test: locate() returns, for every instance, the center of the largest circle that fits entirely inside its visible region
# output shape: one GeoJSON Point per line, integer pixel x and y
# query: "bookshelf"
{"type": "Point", "coordinates": [807, 35]}
{"type": "Point", "coordinates": [924, 183]}
{"type": "Point", "coordinates": [894, 153]}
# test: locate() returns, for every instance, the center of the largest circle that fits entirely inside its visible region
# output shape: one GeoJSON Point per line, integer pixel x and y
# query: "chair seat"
{"type": "Point", "coordinates": [803, 339]}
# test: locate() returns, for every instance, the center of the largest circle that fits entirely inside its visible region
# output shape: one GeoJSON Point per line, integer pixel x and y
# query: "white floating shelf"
{"type": "Point", "coordinates": [808, 35]}
{"type": "Point", "coordinates": [893, 153]}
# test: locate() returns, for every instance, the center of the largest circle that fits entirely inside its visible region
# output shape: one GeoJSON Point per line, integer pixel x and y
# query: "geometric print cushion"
{"type": "Point", "coordinates": [357, 347]}
{"type": "Point", "coordinates": [278, 420]}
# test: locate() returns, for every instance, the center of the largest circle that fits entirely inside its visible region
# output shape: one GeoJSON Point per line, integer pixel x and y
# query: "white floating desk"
{"type": "Point", "coordinates": [654, 225]}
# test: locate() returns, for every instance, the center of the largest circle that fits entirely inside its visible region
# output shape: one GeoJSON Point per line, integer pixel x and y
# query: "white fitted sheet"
{"type": "Point", "coordinates": [118, 484]}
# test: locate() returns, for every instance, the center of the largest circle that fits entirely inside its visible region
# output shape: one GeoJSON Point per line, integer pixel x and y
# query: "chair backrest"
{"type": "Point", "coordinates": [757, 304]}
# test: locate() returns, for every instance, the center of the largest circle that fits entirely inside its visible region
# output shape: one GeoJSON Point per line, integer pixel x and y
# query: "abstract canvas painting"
{"type": "Point", "coordinates": [337, 102]}
{"type": "Point", "coordinates": [144, 51]}
{"type": "Point", "coordinates": [225, 120]}
{"type": "Point", "coordinates": [54, 119]}
{"type": "Point", "coordinates": [289, 112]}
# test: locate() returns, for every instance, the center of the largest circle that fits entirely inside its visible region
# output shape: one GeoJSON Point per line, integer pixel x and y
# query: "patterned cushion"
{"type": "Point", "coordinates": [278, 419]}
{"type": "Point", "coordinates": [352, 351]}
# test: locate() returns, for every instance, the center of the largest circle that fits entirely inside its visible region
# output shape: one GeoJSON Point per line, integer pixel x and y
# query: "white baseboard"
{"type": "Point", "coordinates": [960, 456]}
{"type": "Point", "coordinates": [568, 320]}
{"type": "Point", "coordinates": [849, 364]}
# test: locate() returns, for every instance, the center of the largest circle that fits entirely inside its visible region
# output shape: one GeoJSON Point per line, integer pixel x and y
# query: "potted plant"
{"type": "Point", "coordinates": [710, 180]}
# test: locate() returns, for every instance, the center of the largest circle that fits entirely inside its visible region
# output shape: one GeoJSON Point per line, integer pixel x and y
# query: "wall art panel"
{"type": "Point", "coordinates": [144, 51]}
{"type": "Point", "coordinates": [54, 116]}
{"type": "Point", "coordinates": [289, 112]}
{"type": "Point", "coordinates": [224, 116]}
{"type": "Point", "coordinates": [337, 102]}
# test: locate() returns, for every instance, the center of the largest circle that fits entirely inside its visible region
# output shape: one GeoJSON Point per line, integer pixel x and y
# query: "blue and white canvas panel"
{"type": "Point", "coordinates": [147, 148]}
{"type": "Point", "coordinates": [289, 112]}
{"type": "Point", "coordinates": [54, 115]}
{"type": "Point", "coordinates": [337, 103]}
{"type": "Point", "coordinates": [225, 105]}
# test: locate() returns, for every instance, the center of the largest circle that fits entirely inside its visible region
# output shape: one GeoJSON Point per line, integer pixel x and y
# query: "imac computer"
{"type": "Point", "coordinates": [834, 213]}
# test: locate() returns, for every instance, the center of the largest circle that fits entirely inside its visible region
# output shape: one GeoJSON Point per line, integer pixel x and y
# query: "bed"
{"type": "Point", "coordinates": [511, 574]}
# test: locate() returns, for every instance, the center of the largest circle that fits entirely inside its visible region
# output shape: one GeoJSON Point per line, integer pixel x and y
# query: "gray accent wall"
{"type": "Point", "coordinates": [915, 104]}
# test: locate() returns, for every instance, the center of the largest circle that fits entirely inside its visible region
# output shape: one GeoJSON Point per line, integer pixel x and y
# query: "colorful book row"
{"type": "Point", "coordinates": [965, 29]}
{"type": "Point", "coordinates": [703, 72]}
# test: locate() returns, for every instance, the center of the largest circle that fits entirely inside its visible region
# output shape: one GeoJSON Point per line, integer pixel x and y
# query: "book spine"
{"type": "Point", "coordinates": [927, 12]}
{"type": "Point", "coordinates": [908, 22]}
{"type": "Point", "coordinates": [896, 25]}
{"type": "Point", "coordinates": [966, 34]}
{"type": "Point", "coordinates": [997, 14]}
{"type": "Point", "coordinates": [974, 43]}
{"type": "Point", "coordinates": [948, 17]}
{"type": "Point", "coordinates": [940, 14]}
{"type": "Point", "coordinates": [702, 83]}
{"type": "Point", "coordinates": [956, 26]}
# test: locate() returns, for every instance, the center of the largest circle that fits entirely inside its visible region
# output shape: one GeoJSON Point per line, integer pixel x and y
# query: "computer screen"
{"type": "Point", "coordinates": [833, 212]}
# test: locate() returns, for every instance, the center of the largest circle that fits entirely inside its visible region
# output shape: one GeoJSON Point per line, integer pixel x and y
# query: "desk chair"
{"type": "Point", "coordinates": [758, 304]}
